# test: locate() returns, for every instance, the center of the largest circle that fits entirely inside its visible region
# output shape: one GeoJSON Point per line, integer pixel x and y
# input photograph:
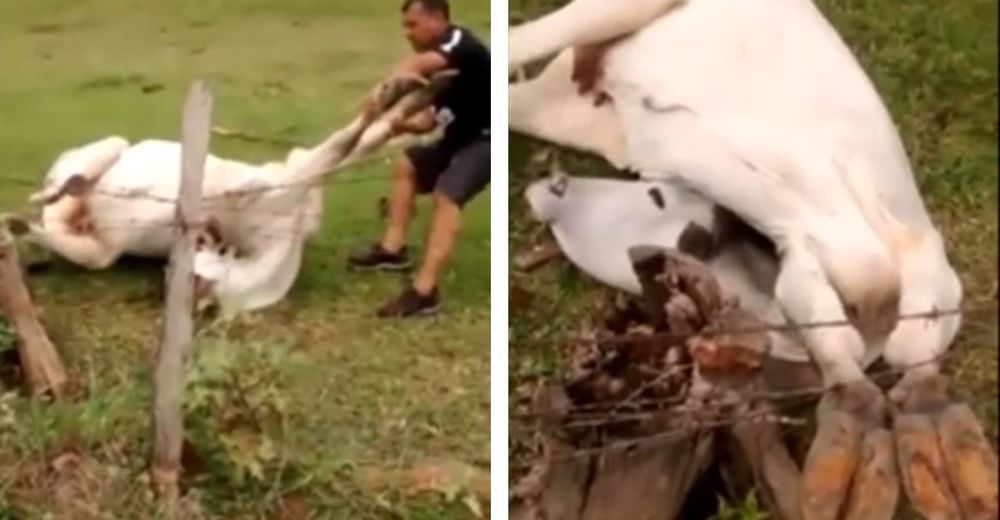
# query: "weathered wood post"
{"type": "Point", "coordinates": [176, 338]}
{"type": "Point", "coordinates": [43, 369]}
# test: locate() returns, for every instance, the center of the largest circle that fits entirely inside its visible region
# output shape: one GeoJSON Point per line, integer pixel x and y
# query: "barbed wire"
{"type": "Point", "coordinates": [598, 415]}
{"type": "Point", "coordinates": [263, 230]}
{"type": "Point", "coordinates": [333, 176]}
{"type": "Point", "coordinates": [777, 401]}
{"type": "Point", "coordinates": [679, 339]}
{"type": "Point", "coordinates": [594, 409]}
{"type": "Point", "coordinates": [766, 327]}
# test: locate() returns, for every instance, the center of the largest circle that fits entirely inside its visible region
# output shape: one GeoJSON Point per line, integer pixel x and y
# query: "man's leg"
{"type": "Point", "coordinates": [401, 205]}
{"type": "Point", "coordinates": [446, 224]}
{"type": "Point", "coordinates": [415, 172]}
{"type": "Point", "coordinates": [466, 176]}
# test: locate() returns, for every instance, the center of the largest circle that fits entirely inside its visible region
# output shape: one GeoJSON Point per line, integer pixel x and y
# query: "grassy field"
{"type": "Point", "coordinates": [313, 406]}
{"type": "Point", "coordinates": [935, 67]}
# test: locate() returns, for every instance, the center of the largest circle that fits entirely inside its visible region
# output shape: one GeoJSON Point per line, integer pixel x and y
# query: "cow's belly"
{"type": "Point", "coordinates": [133, 202]}
{"type": "Point", "coordinates": [154, 166]}
{"type": "Point", "coordinates": [774, 61]}
{"type": "Point", "coordinates": [778, 60]}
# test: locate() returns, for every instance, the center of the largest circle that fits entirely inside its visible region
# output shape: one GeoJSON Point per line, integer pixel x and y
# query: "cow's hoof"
{"type": "Point", "coordinates": [850, 469]}
{"type": "Point", "coordinates": [948, 468]}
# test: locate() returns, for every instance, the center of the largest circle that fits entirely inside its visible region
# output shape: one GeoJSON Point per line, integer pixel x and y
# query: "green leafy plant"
{"type": "Point", "coordinates": [746, 509]}
{"type": "Point", "coordinates": [235, 402]}
{"type": "Point", "coordinates": [8, 336]}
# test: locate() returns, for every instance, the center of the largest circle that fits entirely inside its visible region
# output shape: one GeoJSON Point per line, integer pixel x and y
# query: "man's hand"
{"type": "Point", "coordinates": [370, 109]}
{"type": "Point", "coordinates": [419, 123]}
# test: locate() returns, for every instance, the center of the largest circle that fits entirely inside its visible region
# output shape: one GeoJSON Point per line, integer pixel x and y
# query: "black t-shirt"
{"type": "Point", "coordinates": [463, 107]}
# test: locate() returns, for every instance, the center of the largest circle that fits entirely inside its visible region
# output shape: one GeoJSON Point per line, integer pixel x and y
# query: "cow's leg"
{"type": "Point", "coordinates": [78, 169]}
{"type": "Point", "coordinates": [260, 278]}
{"type": "Point", "coordinates": [581, 22]}
{"type": "Point", "coordinates": [949, 468]}
{"type": "Point", "coordinates": [549, 107]}
{"type": "Point", "coordinates": [313, 212]}
{"type": "Point", "coordinates": [853, 449]}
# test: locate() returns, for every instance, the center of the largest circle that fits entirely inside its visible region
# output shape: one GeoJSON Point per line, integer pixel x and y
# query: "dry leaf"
{"type": "Point", "coordinates": [453, 479]}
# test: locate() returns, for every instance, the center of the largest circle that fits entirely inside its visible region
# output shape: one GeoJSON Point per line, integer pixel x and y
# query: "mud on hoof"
{"type": "Point", "coordinates": [949, 469]}
{"type": "Point", "coordinates": [850, 471]}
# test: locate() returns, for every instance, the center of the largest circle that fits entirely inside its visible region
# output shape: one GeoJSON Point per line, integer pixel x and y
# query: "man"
{"type": "Point", "coordinates": [454, 169]}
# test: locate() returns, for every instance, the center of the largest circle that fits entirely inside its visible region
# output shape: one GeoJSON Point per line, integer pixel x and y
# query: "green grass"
{"type": "Point", "coordinates": [360, 396]}
{"type": "Point", "coordinates": [935, 67]}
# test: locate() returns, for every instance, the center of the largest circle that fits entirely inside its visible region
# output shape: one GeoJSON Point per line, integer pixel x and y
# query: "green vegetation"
{"type": "Point", "coordinates": [312, 403]}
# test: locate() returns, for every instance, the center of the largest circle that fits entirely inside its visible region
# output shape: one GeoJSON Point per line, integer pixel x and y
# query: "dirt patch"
{"type": "Point", "coordinates": [73, 483]}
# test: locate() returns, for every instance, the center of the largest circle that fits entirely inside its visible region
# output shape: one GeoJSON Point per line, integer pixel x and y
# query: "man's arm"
{"type": "Point", "coordinates": [422, 65]}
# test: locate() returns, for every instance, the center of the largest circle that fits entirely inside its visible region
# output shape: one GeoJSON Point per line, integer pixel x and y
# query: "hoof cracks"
{"type": "Point", "coordinates": [970, 461]}
{"type": "Point", "coordinates": [922, 466]}
{"type": "Point", "coordinates": [830, 465]}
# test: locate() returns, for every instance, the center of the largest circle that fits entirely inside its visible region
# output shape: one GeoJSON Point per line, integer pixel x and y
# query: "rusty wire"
{"type": "Point", "coordinates": [596, 415]}
{"type": "Point", "coordinates": [265, 230]}
{"type": "Point", "coordinates": [680, 339]}
{"type": "Point", "coordinates": [770, 395]}
{"type": "Point", "coordinates": [695, 424]}
{"type": "Point", "coordinates": [331, 177]}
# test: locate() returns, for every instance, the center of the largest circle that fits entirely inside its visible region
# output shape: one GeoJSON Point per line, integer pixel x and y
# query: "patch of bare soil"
{"type": "Point", "coordinates": [74, 483]}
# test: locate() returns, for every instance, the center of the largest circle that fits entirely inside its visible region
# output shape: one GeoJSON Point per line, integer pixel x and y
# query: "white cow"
{"type": "Point", "coordinates": [760, 107]}
{"type": "Point", "coordinates": [112, 198]}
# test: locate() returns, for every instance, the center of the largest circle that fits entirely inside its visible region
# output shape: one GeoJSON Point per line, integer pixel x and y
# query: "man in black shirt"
{"type": "Point", "coordinates": [455, 168]}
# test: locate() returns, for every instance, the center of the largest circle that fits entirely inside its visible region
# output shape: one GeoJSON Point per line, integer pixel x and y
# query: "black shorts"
{"type": "Point", "coordinates": [458, 173]}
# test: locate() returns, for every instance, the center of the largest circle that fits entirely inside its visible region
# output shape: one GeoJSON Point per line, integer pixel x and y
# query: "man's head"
{"type": "Point", "coordinates": [425, 22]}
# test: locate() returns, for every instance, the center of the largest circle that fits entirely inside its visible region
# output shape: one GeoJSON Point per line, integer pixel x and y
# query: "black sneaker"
{"type": "Point", "coordinates": [377, 258]}
{"type": "Point", "coordinates": [410, 303]}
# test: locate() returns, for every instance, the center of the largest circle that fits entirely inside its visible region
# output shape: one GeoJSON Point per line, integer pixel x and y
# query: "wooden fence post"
{"type": "Point", "coordinates": [43, 369]}
{"type": "Point", "coordinates": [176, 337]}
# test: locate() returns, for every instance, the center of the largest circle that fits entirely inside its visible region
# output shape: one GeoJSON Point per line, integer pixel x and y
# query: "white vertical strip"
{"type": "Point", "coordinates": [498, 260]}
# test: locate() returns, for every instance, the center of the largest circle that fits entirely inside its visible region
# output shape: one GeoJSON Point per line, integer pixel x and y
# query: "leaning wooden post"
{"type": "Point", "coordinates": [43, 369]}
{"type": "Point", "coordinates": [176, 337]}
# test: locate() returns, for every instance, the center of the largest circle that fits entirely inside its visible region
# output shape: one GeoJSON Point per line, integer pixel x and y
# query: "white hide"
{"type": "Point", "coordinates": [580, 23]}
{"type": "Point", "coordinates": [760, 106]}
{"type": "Point", "coordinates": [596, 221]}
{"type": "Point", "coordinates": [548, 107]}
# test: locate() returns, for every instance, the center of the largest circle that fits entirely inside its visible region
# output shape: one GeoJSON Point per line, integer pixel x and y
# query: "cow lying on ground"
{"type": "Point", "coordinates": [760, 107]}
{"type": "Point", "coordinates": [111, 198]}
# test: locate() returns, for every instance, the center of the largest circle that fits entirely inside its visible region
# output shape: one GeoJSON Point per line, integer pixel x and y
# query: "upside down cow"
{"type": "Point", "coordinates": [111, 198]}
{"type": "Point", "coordinates": [757, 111]}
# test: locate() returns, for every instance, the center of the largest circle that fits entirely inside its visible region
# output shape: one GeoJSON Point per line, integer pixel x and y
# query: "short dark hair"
{"type": "Point", "coordinates": [440, 6]}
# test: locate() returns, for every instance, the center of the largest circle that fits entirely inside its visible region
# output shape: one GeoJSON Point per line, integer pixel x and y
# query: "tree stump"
{"type": "Point", "coordinates": [43, 368]}
{"type": "Point", "coordinates": [645, 404]}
